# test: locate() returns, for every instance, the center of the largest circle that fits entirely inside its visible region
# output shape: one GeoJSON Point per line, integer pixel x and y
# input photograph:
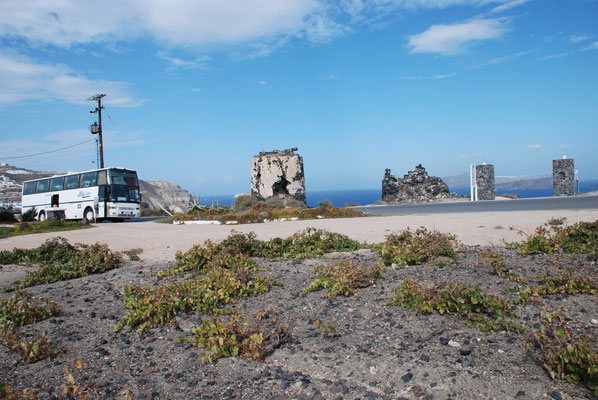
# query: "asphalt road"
{"type": "Point", "coordinates": [533, 204]}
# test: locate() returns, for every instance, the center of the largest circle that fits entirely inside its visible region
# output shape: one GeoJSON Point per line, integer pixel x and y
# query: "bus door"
{"type": "Point", "coordinates": [101, 204]}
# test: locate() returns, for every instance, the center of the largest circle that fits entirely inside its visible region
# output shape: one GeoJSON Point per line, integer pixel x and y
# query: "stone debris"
{"type": "Point", "coordinates": [415, 187]}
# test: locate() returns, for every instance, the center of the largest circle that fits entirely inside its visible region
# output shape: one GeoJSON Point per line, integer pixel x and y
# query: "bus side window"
{"type": "Point", "coordinates": [102, 178]}
{"type": "Point", "coordinates": [89, 179]}
{"type": "Point", "coordinates": [29, 188]}
{"type": "Point", "coordinates": [42, 186]}
{"type": "Point", "coordinates": [57, 184]}
{"type": "Point", "coordinates": [72, 182]}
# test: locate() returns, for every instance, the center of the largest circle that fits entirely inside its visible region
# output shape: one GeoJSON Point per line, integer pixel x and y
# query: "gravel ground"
{"type": "Point", "coordinates": [376, 351]}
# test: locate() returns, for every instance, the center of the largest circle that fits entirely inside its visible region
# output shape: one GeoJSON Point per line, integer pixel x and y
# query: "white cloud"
{"type": "Point", "coordinates": [433, 77]}
{"type": "Point", "coordinates": [261, 82]}
{"type": "Point", "coordinates": [22, 79]}
{"type": "Point", "coordinates": [176, 63]}
{"type": "Point", "coordinates": [578, 38]}
{"type": "Point", "coordinates": [593, 46]}
{"type": "Point", "coordinates": [202, 23]}
{"type": "Point", "coordinates": [554, 56]}
{"type": "Point", "coordinates": [456, 38]}
{"type": "Point", "coordinates": [508, 57]}
{"type": "Point", "coordinates": [534, 146]}
{"type": "Point", "coordinates": [329, 77]}
{"type": "Point", "coordinates": [508, 5]}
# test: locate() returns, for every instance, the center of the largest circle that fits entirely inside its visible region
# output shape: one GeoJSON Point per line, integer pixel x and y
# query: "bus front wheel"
{"type": "Point", "coordinates": [42, 216]}
{"type": "Point", "coordinates": [88, 214]}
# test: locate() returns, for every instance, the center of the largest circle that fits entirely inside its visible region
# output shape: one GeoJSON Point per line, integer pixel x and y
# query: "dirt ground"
{"type": "Point", "coordinates": [374, 351]}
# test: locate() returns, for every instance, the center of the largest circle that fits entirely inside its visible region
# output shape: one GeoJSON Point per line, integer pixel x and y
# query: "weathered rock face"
{"type": "Point", "coordinates": [484, 175]}
{"type": "Point", "coordinates": [563, 177]}
{"type": "Point", "coordinates": [416, 186]}
{"type": "Point", "coordinates": [277, 173]}
{"type": "Point", "coordinates": [166, 194]}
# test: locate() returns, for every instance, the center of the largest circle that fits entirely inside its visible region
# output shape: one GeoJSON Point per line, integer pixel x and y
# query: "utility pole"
{"type": "Point", "coordinates": [97, 126]}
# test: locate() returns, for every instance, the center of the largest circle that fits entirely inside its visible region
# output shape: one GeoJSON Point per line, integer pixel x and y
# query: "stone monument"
{"type": "Point", "coordinates": [563, 177]}
{"type": "Point", "coordinates": [484, 176]}
{"type": "Point", "coordinates": [277, 173]}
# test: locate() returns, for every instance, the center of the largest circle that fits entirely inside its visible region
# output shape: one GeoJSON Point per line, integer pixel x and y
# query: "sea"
{"type": "Point", "coordinates": [364, 197]}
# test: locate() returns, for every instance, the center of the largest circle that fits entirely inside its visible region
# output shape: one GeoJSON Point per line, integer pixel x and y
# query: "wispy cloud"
{"type": "Point", "coordinates": [593, 46]}
{"type": "Point", "coordinates": [456, 38]}
{"type": "Point", "coordinates": [23, 79]}
{"type": "Point", "coordinates": [176, 63]}
{"type": "Point", "coordinates": [564, 146]}
{"type": "Point", "coordinates": [431, 77]}
{"type": "Point", "coordinates": [534, 146]}
{"type": "Point", "coordinates": [261, 82]}
{"type": "Point", "coordinates": [329, 77]}
{"type": "Point", "coordinates": [578, 38]}
{"type": "Point", "coordinates": [500, 60]}
{"type": "Point", "coordinates": [554, 56]}
{"type": "Point", "coordinates": [508, 5]}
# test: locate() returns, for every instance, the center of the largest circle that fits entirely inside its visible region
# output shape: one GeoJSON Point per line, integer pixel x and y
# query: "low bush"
{"type": "Point", "coordinates": [564, 283]}
{"type": "Point", "coordinates": [421, 246]}
{"type": "Point", "coordinates": [487, 312]}
{"type": "Point", "coordinates": [251, 337]}
{"type": "Point", "coordinates": [497, 262]}
{"type": "Point", "coordinates": [344, 277]}
{"type": "Point", "coordinates": [22, 310]}
{"type": "Point", "coordinates": [51, 225]}
{"type": "Point", "coordinates": [159, 305]}
{"type": "Point", "coordinates": [565, 355]}
{"type": "Point", "coordinates": [244, 202]}
{"type": "Point", "coordinates": [7, 215]}
{"type": "Point", "coordinates": [579, 238]}
{"type": "Point", "coordinates": [59, 260]}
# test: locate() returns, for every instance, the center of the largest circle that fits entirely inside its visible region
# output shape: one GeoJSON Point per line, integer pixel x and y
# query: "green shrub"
{"type": "Point", "coordinates": [7, 215]}
{"type": "Point", "coordinates": [59, 260]}
{"type": "Point", "coordinates": [253, 338]}
{"type": "Point", "coordinates": [159, 305]}
{"type": "Point", "coordinates": [564, 283]}
{"type": "Point", "coordinates": [579, 238]}
{"type": "Point", "coordinates": [29, 215]}
{"type": "Point", "coordinates": [325, 203]}
{"type": "Point", "coordinates": [413, 248]}
{"type": "Point", "coordinates": [344, 277]}
{"type": "Point", "coordinates": [487, 312]}
{"type": "Point", "coordinates": [244, 202]}
{"type": "Point", "coordinates": [566, 356]}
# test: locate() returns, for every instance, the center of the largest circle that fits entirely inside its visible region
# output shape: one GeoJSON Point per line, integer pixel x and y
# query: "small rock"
{"type": "Point", "coordinates": [556, 395]}
{"type": "Point", "coordinates": [520, 393]}
{"type": "Point", "coordinates": [407, 377]}
{"type": "Point", "coordinates": [284, 384]}
{"type": "Point", "coordinates": [101, 351]}
{"type": "Point", "coordinates": [594, 321]}
{"type": "Point", "coordinates": [444, 341]}
{"type": "Point", "coordinates": [373, 370]}
{"type": "Point", "coordinates": [465, 352]}
{"type": "Point", "coordinates": [453, 343]}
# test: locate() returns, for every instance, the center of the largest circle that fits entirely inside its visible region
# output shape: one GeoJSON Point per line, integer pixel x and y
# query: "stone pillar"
{"type": "Point", "coordinates": [563, 177]}
{"type": "Point", "coordinates": [484, 175]}
{"type": "Point", "coordinates": [277, 173]}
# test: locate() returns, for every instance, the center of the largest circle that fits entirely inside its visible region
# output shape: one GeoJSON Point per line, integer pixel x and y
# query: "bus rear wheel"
{"type": "Point", "coordinates": [41, 216]}
{"type": "Point", "coordinates": [88, 214]}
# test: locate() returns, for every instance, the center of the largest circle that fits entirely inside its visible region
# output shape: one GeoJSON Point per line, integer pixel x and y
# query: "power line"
{"type": "Point", "coordinates": [46, 152]}
{"type": "Point", "coordinates": [124, 143]}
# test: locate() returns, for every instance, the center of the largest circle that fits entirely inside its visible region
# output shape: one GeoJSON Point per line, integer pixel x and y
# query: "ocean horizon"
{"type": "Point", "coordinates": [365, 197]}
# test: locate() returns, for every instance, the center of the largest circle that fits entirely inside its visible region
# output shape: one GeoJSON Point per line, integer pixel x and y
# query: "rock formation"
{"type": "Point", "coordinates": [157, 194]}
{"type": "Point", "coordinates": [415, 187]}
{"type": "Point", "coordinates": [278, 173]}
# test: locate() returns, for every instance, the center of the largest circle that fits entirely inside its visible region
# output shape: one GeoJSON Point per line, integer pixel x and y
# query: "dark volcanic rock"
{"type": "Point", "coordinates": [415, 186]}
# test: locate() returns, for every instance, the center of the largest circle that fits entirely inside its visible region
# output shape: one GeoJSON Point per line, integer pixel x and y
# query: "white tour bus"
{"type": "Point", "coordinates": [107, 193]}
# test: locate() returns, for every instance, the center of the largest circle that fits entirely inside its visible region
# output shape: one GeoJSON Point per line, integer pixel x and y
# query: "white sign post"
{"type": "Point", "coordinates": [473, 183]}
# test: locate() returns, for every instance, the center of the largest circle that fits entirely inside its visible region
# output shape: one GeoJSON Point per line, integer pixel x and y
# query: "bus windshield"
{"type": "Point", "coordinates": [122, 193]}
{"type": "Point", "coordinates": [122, 177]}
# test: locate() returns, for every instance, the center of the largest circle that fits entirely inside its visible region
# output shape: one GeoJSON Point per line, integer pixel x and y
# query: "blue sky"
{"type": "Point", "coordinates": [196, 88]}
